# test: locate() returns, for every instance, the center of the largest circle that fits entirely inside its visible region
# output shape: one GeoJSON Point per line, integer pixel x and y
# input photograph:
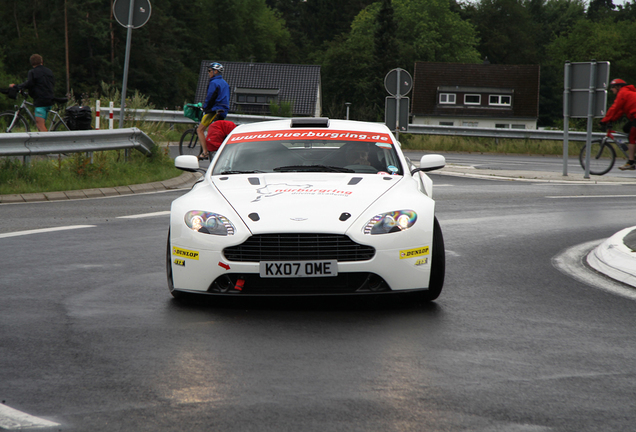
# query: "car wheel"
{"type": "Point", "coordinates": [438, 267]}
{"type": "Point", "coordinates": [175, 294]}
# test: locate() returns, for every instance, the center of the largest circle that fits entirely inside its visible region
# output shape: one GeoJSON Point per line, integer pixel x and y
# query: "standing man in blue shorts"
{"type": "Point", "coordinates": [217, 100]}
{"type": "Point", "coordinates": [40, 83]}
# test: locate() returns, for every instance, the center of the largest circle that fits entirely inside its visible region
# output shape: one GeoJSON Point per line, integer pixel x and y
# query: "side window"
{"type": "Point", "coordinates": [447, 98]}
{"type": "Point", "coordinates": [500, 100]}
{"type": "Point", "coordinates": [472, 99]}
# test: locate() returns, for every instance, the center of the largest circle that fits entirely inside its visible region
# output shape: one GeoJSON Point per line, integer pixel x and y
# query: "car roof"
{"type": "Point", "coordinates": [333, 124]}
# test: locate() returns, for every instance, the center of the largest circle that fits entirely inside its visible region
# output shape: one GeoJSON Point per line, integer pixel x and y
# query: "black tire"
{"type": "Point", "coordinates": [189, 144]}
{"type": "Point", "coordinates": [438, 267]}
{"type": "Point", "coordinates": [59, 126]}
{"type": "Point", "coordinates": [175, 294]}
{"type": "Point", "coordinates": [20, 124]}
{"type": "Point", "coordinates": [602, 157]}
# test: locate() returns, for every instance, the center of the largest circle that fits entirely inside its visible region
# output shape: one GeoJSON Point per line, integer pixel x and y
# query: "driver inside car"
{"type": "Point", "coordinates": [357, 155]}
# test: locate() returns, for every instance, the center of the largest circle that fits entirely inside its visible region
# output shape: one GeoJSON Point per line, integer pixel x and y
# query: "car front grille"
{"type": "Point", "coordinates": [299, 247]}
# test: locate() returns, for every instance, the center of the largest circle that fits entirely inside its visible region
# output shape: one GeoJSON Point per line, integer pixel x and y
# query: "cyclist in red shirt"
{"type": "Point", "coordinates": [624, 104]}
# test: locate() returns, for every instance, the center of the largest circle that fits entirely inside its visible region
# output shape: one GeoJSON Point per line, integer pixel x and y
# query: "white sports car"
{"type": "Point", "coordinates": [307, 206]}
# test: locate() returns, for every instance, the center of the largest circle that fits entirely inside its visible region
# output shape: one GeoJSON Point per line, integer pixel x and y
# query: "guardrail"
{"type": "Point", "coordinates": [535, 134]}
{"type": "Point", "coordinates": [35, 143]}
{"type": "Point", "coordinates": [168, 116]}
{"type": "Point", "coordinates": [39, 143]}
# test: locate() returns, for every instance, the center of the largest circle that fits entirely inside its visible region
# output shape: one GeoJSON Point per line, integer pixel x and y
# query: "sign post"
{"type": "Point", "coordinates": [584, 96]}
{"type": "Point", "coordinates": [131, 14]}
{"type": "Point", "coordinates": [398, 83]}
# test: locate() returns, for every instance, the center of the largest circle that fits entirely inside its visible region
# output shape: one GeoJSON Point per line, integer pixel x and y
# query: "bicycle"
{"type": "Point", "coordinates": [189, 143]}
{"type": "Point", "coordinates": [16, 121]}
{"type": "Point", "coordinates": [603, 153]}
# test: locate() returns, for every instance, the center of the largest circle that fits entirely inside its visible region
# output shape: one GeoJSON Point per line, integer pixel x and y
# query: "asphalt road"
{"type": "Point", "coordinates": [91, 340]}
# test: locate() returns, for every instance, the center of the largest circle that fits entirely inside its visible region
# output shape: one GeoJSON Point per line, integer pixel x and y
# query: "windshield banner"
{"type": "Point", "coordinates": [302, 134]}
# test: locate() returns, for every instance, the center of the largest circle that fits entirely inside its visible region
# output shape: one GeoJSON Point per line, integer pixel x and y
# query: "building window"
{"type": "Point", "coordinates": [472, 99]}
{"type": "Point", "coordinates": [254, 99]}
{"type": "Point", "coordinates": [446, 123]}
{"type": "Point", "coordinates": [446, 98]}
{"type": "Point", "coordinates": [502, 125]}
{"type": "Point", "coordinates": [470, 123]}
{"type": "Point", "coordinates": [499, 100]}
{"type": "Point", "coordinates": [518, 126]}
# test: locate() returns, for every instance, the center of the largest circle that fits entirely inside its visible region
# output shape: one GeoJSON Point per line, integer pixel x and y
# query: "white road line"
{"type": "Point", "coordinates": [13, 419]}
{"type": "Point", "coordinates": [161, 213]}
{"type": "Point", "coordinates": [591, 196]}
{"type": "Point", "coordinates": [45, 230]}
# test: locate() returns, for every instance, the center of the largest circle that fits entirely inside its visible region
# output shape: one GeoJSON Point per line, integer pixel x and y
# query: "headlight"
{"type": "Point", "coordinates": [396, 221]}
{"type": "Point", "coordinates": [208, 223]}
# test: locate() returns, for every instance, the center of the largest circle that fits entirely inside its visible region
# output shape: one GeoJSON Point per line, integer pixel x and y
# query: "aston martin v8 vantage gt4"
{"type": "Point", "coordinates": [307, 206]}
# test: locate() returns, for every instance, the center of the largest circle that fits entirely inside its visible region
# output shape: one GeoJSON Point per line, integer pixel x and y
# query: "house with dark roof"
{"type": "Point", "coordinates": [253, 86]}
{"type": "Point", "coordinates": [477, 95]}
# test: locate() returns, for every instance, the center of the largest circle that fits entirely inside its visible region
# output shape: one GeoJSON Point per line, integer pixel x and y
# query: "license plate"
{"type": "Point", "coordinates": [282, 269]}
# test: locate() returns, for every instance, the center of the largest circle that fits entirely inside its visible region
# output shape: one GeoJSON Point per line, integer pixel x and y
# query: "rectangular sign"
{"type": "Point", "coordinates": [284, 269]}
{"type": "Point", "coordinates": [577, 89]}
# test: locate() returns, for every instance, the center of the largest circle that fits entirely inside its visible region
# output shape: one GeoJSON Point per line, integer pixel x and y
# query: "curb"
{"type": "Point", "coordinates": [530, 176]}
{"type": "Point", "coordinates": [614, 258]}
{"type": "Point", "coordinates": [187, 179]}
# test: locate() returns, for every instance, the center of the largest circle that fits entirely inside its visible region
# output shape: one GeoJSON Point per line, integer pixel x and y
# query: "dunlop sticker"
{"type": "Point", "coordinates": [185, 253]}
{"type": "Point", "coordinates": [412, 253]}
{"type": "Point", "coordinates": [179, 262]}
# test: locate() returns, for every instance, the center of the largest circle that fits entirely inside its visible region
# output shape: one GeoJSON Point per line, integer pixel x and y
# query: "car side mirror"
{"type": "Point", "coordinates": [187, 163]}
{"type": "Point", "coordinates": [430, 162]}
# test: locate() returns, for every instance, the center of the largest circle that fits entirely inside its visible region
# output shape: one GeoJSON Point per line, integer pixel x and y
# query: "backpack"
{"type": "Point", "coordinates": [79, 117]}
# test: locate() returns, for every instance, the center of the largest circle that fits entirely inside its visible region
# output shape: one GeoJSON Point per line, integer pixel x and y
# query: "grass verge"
{"type": "Point", "coordinates": [108, 169]}
{"type": "Point", "coordinates": [441, 143]}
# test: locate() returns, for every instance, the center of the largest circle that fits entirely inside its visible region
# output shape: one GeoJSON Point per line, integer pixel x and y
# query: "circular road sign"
{"type": "Point", "coordinates": [141, 12]}
{"type": "Point", "coordinates": [401, 88]}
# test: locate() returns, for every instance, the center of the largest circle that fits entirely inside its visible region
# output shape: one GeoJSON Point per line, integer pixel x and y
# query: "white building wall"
{"type": "Point", "coordinates": [476, 122]}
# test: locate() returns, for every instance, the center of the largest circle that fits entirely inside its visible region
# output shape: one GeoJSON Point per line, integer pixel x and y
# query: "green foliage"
{"type": "Point", "coordinates": [107, 169]}
{"type": "Point", "coordinates": [284, 109]}
{"type": "Point", "coordinates": [355, 41]}
{"type": "Point", "coordinates": [439, 143]}
{"type": "Point", "coordinates": [427, 30]}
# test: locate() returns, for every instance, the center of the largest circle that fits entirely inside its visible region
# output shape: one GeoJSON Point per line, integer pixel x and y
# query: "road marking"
{"type": "Point", "coordinates": [143, 215]}
{"type": "Point", "coordinates": [570, 262]}
{"type": "Point", "coordinates": [45, 230]}
{"type": "Point", "coordinates": [13, 419]}
{"type": "Point", "coordinates": [591, 196]}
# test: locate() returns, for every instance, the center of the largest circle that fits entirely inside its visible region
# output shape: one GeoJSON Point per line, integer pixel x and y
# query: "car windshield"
{"type": "Point", "coordinates": [263, 153]}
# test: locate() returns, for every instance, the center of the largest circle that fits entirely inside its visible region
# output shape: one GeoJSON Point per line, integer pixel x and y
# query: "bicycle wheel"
{"type": "Point", "coordinates": [189, 144]}
{"type": "Point", "coordinates": [20, 124]}
{"type": "Point", "coordinates": [602, 157]}
{"type": "Point", "coordinates": [59, 126]}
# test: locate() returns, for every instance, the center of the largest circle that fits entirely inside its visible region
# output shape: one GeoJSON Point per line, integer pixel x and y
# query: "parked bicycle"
{"type": "Point", "coordinates": [17, 121]}
{"type": "Point", "coordinates": [603, 153]}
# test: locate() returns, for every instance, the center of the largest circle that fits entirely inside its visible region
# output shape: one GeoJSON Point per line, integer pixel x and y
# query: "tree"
{"type": "Point", "coordinates": [508, 35]}
{"type": "Point", "coordinates": [427, 30]}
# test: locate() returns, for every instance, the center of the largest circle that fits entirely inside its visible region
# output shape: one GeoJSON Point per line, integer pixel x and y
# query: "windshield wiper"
{"type": "Point", "coordinates": [241, 172]}
{"type": "Point", "coordinates": [314, 168]}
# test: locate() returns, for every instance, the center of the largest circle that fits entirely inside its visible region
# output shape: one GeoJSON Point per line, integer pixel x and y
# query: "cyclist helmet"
{"type": "Point", "coordinates": [617, 82]}
{"type": "Point", "coordinates": [216, 66]}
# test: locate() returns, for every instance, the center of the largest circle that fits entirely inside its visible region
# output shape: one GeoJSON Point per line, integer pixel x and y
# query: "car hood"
{"type": "Point", "coordinates": [302, 203]}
